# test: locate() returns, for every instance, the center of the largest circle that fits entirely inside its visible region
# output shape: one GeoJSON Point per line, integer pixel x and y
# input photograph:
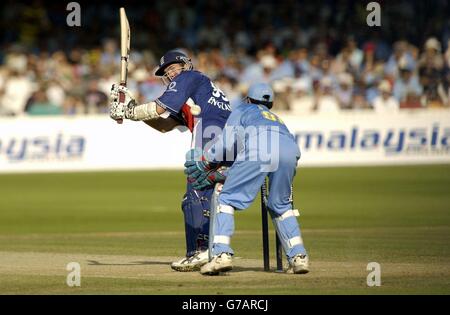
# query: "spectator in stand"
{"type": "Point", "coordinates": [302, 65]}
{"type": "Point", "coordinates": [326, 72]}
{"type": "Point", "coordinates": [315, 67]}
{"type": "Point", "coordinates": [286, 68]}
{"type": "Point", "coordinates": [57, 67]}
{"type": "Point", "coordinates": [359, 100]}
{"type": "Point", "coordinates": [385, 103]}
{"type": "Point", "coordinates": [106, 80]}
{"type": "Point", "coordinates": [282, 90]}
{"type": "Point", "coordinates": [3, 111]}
{"type": "Point", "coordinates": [17, 89]}
{"type": "Point", "coordinates": [325, 101]}
{"type": "Point", "coordinates": [73, 105]}
{"type": "Point", "coordinates": [447, 55]}
{"type": "Point", "coordinates": [149, 87]}
{"type": "Point", "coordinates": [432, 54]}
{"type": "Point", "coordinates": [344, 92]}
{"type": "Point", "coordinates": [431, 70]}
{"type": "Point", "coordinates": [342, 62]}
{"type": "Point", "coordinates": [446, 77]}
{"type": "Point", "coordinates": [407, 89]}
{"type": "Point", "coordinates": [96, 101]}
{"type": "Point", "coordinates": [355, 54]}
{"type": "Point", "coordinates": [233, 67]}
{"type": "Point", "coordinates": [110, 53]}
{"type": "Point", "coordinates": [40, 105]}
{"type": "Point", "coordinates": [401, 55]}
{"type": "Point", "coordinates": [55, 93]}
{"type": "Point", "coordinates": [302, 98]}
{"type": "Point", "coordinates": [259, 71]}
{"type": "Point", "coordinates": [268, 64]}
{"type": "Point", "coordinates": [371, 72]}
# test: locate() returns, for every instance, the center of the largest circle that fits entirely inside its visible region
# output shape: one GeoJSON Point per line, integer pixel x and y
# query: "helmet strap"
{"type": "Point", "coordinates": [265, 103]}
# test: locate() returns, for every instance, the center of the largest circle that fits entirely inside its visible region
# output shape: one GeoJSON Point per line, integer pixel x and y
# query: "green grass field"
{"type": "Point", "coordinates": [125, 228]}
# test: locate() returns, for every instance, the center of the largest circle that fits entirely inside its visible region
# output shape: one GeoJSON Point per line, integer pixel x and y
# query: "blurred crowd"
{"type": "Point", "coordinates": [315, 60]}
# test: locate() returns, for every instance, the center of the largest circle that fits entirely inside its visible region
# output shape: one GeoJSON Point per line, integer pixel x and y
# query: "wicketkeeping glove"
{"type": "Point", "coordinates": [196, 164]}
{"type": "Point", "coordinates": [209, 179]}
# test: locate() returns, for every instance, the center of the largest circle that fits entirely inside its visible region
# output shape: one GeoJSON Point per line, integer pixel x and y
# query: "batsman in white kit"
{"type": "Point", "coordinates": [249, 126]}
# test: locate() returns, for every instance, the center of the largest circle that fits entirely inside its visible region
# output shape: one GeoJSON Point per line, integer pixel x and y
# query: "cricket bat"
{"type": "Point", "coordinates": [124, 52]}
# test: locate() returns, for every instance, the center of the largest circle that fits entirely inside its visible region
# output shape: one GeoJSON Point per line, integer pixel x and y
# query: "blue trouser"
{"type": "Point", "coordinates": [241, 187]}
{"type": "Point", "coordinates": [196, 206]}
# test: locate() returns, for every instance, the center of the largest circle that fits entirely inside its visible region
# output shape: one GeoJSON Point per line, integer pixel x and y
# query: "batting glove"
{"type": "Point", "coordinates": [121, 110]}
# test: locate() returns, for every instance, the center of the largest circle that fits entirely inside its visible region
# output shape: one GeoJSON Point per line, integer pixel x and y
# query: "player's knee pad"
{"type": "Point", "coordinates": [278, 207]}
{"type": "Point", "coordinates": [212, 216]}
{"type": "Point", "coordinates": [223, 229]}
{"type": "Point", "coordinates": [288, 231]}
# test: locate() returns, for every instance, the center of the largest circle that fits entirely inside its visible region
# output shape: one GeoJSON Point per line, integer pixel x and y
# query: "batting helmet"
{"type": "Point", "coordinates": [171, 57]}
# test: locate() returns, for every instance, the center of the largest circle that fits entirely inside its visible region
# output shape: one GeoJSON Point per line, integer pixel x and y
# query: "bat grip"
{"type": "Point", "coordinates": [121, 94]}
{"type": "Point", "coordinates": [121, 100]}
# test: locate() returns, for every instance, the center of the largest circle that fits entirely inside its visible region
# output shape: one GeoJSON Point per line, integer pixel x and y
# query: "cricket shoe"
{"type": "Point", "coordinates": [219, 263]}
{"type": "Point", "coordinates": [298, 264]}
{"type": "Point", "coordinates": [192, 263]}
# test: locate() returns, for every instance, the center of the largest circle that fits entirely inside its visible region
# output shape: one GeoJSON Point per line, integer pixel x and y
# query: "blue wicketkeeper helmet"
{"type": "Point", "coordinates": [261, 93]}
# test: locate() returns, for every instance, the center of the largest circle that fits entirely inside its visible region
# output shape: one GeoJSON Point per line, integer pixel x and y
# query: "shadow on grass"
{"type": "Point", "coordinates": [246, 269]}
{"type": "Point", "coordinates": [132, 263]}
{"type": "Point", "coordinates": [140, 263]}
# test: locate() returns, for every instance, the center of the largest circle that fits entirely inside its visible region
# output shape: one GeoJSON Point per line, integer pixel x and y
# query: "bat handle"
{"type": "Point", "coordinates": [121, 94]}
{"type": "Point", "coordinates": [121, 100]}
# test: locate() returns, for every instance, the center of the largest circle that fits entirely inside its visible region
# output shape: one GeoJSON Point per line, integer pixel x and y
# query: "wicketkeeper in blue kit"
{"type": "Point", "coordinates": [264, 147]}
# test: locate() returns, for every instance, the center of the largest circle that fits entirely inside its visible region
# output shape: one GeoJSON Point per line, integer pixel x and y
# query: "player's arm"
{"type": "Point", "coordinates": [151, 113]}
{"type": "Point", "coordinates": [131, 110]}
{"type": "Point", "coordinates": [171, 102]}
{"type": "Point", "coordinates": [163, 124]}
